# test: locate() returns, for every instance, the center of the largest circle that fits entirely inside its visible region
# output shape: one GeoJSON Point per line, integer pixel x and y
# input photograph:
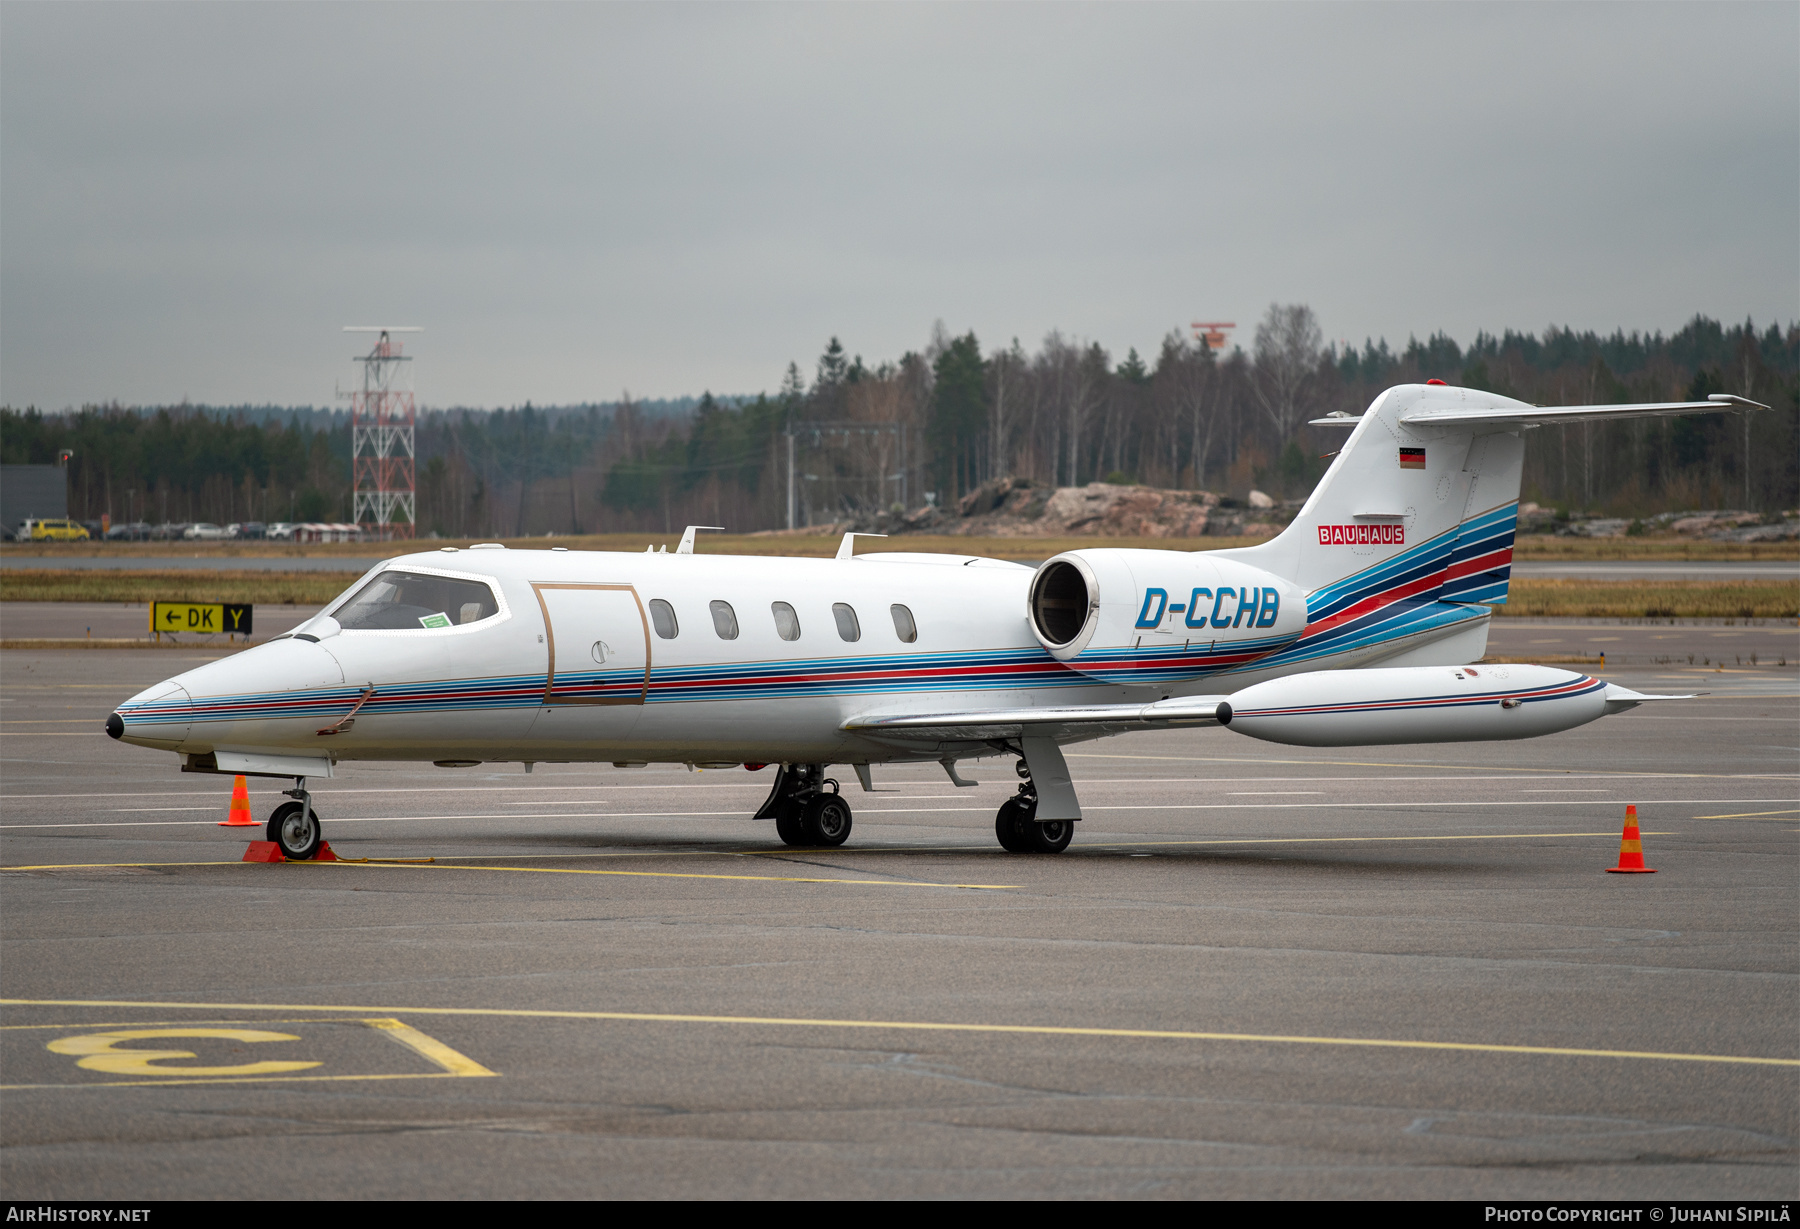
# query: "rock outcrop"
{"type": "Point", "coordinates": [1020, 508]}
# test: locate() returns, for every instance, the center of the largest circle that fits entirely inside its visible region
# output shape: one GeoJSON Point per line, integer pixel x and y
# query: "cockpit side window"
{"type": "Point", "coordinates": [416, 601]}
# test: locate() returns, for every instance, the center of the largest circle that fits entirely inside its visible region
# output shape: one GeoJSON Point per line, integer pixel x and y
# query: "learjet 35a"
{"type": "Point", "coordinates": [1357, 625]}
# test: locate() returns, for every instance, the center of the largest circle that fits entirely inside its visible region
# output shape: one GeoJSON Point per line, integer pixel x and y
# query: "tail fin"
{"type": "Point", "coordinates": [1422, 501]}
{"type": "Point", "coordinates": [1405, 513]}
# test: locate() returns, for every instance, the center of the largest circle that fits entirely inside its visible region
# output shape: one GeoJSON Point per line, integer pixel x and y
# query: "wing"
{"type": "Point", "coordinates": [1072, 722]}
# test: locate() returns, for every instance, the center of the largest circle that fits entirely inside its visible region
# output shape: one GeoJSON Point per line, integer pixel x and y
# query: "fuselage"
{"type": "Point", "coordinates": [752, 659]}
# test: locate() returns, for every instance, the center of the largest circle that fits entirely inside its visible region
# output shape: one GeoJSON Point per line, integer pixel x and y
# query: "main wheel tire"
{"type": "Point", "coordinates": [826, 820]}
{"type": "Point", "coordinates": [295, 830]}
{"type": "Point", "coordinates": [787, 824]}
{"type": "Point", "coordinates": [1050, 836]}
{"type": "Point", "coordinates": [1009, 826]}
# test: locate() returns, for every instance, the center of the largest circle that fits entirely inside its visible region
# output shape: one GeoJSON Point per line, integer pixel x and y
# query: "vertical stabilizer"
{"type": "Point", "coordinates": [1408, 504]}
{"type": "Point", "coordinates": [1407, 519]}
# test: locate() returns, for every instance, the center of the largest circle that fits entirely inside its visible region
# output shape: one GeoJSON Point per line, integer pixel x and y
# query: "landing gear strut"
{"type": "Point", "coordinates": [1016, 825]}
{"type": "Point", "coordinates": [294, 826]}
{"type": "Point", "coordinates": [807, 807]}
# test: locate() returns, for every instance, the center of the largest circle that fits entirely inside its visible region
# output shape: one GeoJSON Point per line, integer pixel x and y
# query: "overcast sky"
{"type": "Point", "coordinates": [577, 199]}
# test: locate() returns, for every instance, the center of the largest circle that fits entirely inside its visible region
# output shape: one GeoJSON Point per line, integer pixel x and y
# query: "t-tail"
{"type": "Point", "coordinates": [1408, 538]}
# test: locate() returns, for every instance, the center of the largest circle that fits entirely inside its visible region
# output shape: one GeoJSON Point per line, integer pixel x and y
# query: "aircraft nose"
{"type": "Point", "coordinates": [155, 717]}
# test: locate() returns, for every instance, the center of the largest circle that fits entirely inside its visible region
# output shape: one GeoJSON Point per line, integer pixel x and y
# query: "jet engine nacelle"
{"type": "Point", "coordinates": [1157, 616]}
{"type": "Point", "coordinates": [1415, 704]}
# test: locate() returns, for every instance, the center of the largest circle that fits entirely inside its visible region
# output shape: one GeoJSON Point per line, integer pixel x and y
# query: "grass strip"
{"type": "Point", "coordinates": [1548, 548]}
{"type": "Point", "coordinates": [1651, 599]}
{"type": "Point", "coordinates": [95, 585]}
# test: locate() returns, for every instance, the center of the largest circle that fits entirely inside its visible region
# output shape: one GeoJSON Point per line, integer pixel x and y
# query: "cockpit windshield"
{"type": "Point", "coordinates": [396, 601]}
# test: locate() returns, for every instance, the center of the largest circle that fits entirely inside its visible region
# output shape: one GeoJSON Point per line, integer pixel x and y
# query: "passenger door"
{"type": "Point", "coordinates": [598, 641]}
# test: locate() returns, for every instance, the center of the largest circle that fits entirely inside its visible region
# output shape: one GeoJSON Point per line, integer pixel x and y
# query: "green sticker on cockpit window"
{"type": "Point", "coordinates": [434, 620]}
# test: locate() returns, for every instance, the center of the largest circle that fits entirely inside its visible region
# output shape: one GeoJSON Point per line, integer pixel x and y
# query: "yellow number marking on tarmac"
{"type": "Point", "coordinates": [1041, 1030]}
{"type": "Point", "coordinates": [100, 1052]}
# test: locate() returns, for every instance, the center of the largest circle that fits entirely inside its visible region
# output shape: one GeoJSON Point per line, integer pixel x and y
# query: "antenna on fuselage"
{"type": "Point", "coordinates": [847, 548]}
{"type": "Point", "coordinates": [687, 537]}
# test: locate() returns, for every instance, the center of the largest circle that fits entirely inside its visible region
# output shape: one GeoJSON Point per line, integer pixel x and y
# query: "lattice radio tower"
{"type": "Point", "coordinates": [381, 438]}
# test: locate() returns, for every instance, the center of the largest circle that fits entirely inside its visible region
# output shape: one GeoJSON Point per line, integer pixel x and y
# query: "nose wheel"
{"type": "Point", "coordinates": [294, 826]}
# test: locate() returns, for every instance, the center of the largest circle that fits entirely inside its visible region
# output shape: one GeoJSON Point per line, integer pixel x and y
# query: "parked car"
{"type": "Point", "coordinates": [280, 530]}
{"type": "Point", "coordinates": [136, 531]}
{"type": "Point", "coordinates": [249, 529]}
{"type": "Point", "coordinates": [62, 530]}
{"type": "Point", "coordinates": [204, 531]}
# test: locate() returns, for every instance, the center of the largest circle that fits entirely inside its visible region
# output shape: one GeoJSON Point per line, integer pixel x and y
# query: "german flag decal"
{"type": "Point", "coordinates": [1412, 458]}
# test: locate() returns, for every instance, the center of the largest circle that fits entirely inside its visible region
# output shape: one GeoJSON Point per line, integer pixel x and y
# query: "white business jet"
{"type": "Point", "coordinates": [1355, 626]}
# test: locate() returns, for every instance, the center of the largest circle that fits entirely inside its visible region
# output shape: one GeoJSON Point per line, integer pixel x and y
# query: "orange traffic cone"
{"type": "Point", "coordinates": [240, 807]}
{"type": "Point", "coordinates": [1631, 849]}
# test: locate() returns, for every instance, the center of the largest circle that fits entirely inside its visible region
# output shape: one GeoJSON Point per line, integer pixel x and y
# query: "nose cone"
{"type": "Point", "coordinates": [155, 717]}
{"type": "Point", "coordinates": [230, 701]}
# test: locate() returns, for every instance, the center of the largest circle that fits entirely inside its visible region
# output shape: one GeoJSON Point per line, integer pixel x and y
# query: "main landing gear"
{"type": "Point", "coordinates": [807, 807]}
{"type": "Point", "coordinates": [294, 826]}
{"type": "Point", "coordinates": [1016, 825]}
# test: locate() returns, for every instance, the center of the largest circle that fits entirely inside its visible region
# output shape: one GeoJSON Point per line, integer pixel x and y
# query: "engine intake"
{"type": "Point", "coordinates": [1155, 617]}
{"type": "Point", "coordinates": [1060, 602]}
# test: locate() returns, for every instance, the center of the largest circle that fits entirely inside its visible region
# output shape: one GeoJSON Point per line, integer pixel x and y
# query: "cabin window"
{"type": "Point", "coordinates": [662, 618]}
{"type": "Point", "coordinates": [904, 627]}
{"type": "Point", "coordinates": [724, 620]}
{"type": "Point", "coordinates": [413, 601]}
{"type": "Point", "coordinates": [787, 623]}
{"type": "Point", "coordinates": [847, 625]}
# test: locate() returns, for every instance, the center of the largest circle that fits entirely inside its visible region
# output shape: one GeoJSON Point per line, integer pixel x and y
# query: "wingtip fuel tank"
{"type": "Point", "coordinates": [1415, 704]}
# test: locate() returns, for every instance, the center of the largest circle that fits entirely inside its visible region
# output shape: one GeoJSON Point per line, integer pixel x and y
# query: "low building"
{"type": "Point", "coordinates": [34, 492]}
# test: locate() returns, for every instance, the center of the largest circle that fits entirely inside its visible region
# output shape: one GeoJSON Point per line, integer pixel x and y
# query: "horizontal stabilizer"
{"type": "Point", "coordinates": [1618, 698]}
{"type": "Point", "coordinates": [1088, 719]}
{"type": "Point", "coordinates": [1531, 415]}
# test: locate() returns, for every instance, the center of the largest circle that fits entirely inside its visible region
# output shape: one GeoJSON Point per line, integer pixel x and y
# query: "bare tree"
{"type": "Point", "coordinates": [1288, 343]}
{"type": "Point", "coordinates": [1183, 388]}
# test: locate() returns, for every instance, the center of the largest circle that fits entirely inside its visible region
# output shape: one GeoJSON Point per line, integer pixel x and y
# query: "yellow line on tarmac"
{"type": "Point", "coordinates": [429, 1048]}
{"type": "Point", "coordinates": [541, 870]}
{"type": "Point", "coordinates": [1042, 1030]}
{"type": "Point", "coordinates": [1750, 815]}
{"type": "Point", "coordinates": [253, 1079]}
{"type": "Point", "coordinates": [448, 863]}
{"type": "Point", "coordinates": [555, 870]}
{"type": "Point", "coordinates": [1332, 840]}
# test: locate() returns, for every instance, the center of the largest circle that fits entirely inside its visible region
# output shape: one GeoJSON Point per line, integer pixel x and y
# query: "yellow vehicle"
{"type": "Point", "coordinates": [57, 531]}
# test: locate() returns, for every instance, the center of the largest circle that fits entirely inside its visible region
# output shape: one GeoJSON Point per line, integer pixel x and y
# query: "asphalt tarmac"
{"type": "Point", "coordinates": [1259, 971]}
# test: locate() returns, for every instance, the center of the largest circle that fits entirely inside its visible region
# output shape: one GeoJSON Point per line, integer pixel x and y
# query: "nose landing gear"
{"type": "Point", "coordinates": [1016, 825]}
{"type": "Point", "coordinates": [294, 826]}
{"type": "Point", "coordinates": [805, 811]}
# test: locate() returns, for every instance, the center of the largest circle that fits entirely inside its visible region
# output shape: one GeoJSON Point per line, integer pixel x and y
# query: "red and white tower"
{"type": "Point", "coordinates": [381, 438]}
